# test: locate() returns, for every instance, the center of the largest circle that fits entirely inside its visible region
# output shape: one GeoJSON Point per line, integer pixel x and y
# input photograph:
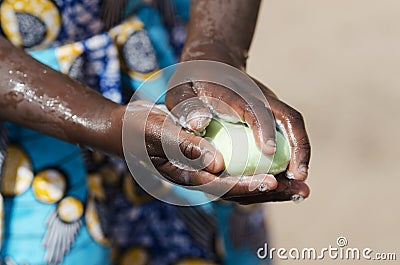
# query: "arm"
{"type": "Point", "coordinates": [35, 96]}
{"type": "Point", "coordinates": [221, 30]}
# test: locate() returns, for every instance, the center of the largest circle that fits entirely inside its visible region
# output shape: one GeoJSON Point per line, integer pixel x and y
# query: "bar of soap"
{"type": "Point", "coordinates": [236, 143]}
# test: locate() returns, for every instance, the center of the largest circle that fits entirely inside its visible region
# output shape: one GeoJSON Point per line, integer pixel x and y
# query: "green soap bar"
{"type": "Point", "coordinates": [237, 145]}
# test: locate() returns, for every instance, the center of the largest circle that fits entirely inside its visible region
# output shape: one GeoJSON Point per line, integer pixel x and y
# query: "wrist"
{"type": "Point", "coordinates": [114, 133]}
{"type": "Point", "coordinates": [214, 50]}
{"type": "Point", "coordinates": [102, 129]}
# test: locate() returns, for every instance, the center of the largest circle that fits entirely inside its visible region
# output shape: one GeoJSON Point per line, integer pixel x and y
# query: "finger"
{"type": "Point", "coordinates": [214, 184]}
{"type": "Point", "coordinates": [294, 126]}
{"type": "Point", "coordinates": [230, 106]}
{"type": "Point", "coordinates": [287, 190]}
{"type": "Point", "coordinates": [166, 139]}
{"type": "Point", "coordinates": [197, 148]}
{"type": "Point", "coordinates": [184, 104]}
{"type": "Point", "coordinates": [261, 120]}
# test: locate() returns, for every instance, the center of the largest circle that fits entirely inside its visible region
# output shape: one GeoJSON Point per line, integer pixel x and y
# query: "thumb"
{"type": "Point", "coordinates": [197, 148]}
{"type": "Point", "coordinates": [191, 112]}
{"type": "Point", "coordinates": [187, 151]}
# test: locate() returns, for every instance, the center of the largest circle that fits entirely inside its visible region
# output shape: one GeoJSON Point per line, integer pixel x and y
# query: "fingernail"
{"type": "Point", "coordinates": [198, 121]}
{"type": "Point", "coordinates": [296, 198]}
{"type": "Point", "coordinates": [303, 170]}
{"type": "Point", "coordinates": [289, 175]}
{"type": "Point", "coordinates": [269, 147]}
{"type": "Point", "coordinates": [193, 115]}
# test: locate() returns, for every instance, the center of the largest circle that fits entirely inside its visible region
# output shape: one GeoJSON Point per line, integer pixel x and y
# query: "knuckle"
{"type": "Point", "coordinates": [177, 94]}
{"type": "Point", "coordinates": [295, 116]}
{"type": "Point", "coordinates": [303, 148]}
{"type": "Point", "coordinates": [304, 143]}
{"type": "Point", "coordinates": [185, 145]}
{"type": "Point", "coordinates": [188, 148]}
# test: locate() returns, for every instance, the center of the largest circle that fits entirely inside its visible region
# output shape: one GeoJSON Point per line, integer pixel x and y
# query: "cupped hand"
{"type": "Point", "coordinates": [152, 134]}
{"type": "Point", "coordinates": [195, 103]}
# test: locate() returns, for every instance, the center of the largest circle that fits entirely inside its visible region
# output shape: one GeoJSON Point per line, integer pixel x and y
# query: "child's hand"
{"type": "Point", "coordinates": [196, 103]}
{"type": "Point", "coordinates": [152, 135]}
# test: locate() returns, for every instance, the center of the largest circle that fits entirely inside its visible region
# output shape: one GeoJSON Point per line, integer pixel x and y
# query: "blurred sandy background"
{"type": "Point", "coordinates": [338, 62]}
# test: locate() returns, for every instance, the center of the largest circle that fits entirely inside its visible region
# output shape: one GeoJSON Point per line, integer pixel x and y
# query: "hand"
{"type": "Point", "coordinates": [291, 119]}
{"type": "Point", "coordinates": [287, 189]}
{"type": "Point", "coordinates": [293, 122]}
{"type": "Point", "coordinates": [195, 103]}
{"type": "Point", "coordinates": [153, 133]}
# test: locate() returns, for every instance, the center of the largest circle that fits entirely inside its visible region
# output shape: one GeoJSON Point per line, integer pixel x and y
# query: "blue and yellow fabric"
{"type": "Point", "coordinates": [64, 205]}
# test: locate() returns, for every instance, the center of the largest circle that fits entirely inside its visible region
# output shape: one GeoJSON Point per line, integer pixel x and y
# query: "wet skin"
{"type": "Point", "coordinates": [37, 97]}
{"type": "Point", "coordinates": [222, 30]}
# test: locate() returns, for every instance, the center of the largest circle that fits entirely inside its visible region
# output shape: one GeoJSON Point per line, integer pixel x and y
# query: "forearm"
{"type": "Point", "coordinates": [221, 30]}
{"type": "Point", "coordinates": [35, 96]}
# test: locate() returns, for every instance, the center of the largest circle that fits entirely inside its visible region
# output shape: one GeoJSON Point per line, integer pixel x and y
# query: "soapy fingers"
{"type": "Point", "coordinates": [216, 100]}
{"type": "Point", "coordinates": [293, 123]}
{"type": "Point", "coordinates": [294, 126]}
{"type": "Point", "coordinates": [224, 187]}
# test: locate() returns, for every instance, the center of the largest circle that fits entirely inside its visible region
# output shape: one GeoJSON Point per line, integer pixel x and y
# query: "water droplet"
{"type": "Point", "coordinates": [262, 188]}
{"type": "Point", "coordinates": [297, 198]}
{"type": "Point", "coordinates": [10, 72]}
{"type": "Point", "coordinates": [289, 175]}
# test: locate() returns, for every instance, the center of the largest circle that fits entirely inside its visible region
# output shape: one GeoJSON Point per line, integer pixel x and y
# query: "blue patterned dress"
{"type": "Point", "coordinates": [64, 205]}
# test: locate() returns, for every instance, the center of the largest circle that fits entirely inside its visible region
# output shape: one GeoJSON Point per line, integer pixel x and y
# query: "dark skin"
{"type": "Point", "coordinates": [222, 30]}
{"type": "Point", "coordinates": [78, 115]}
{"type": "Point", "coordinates": [37, 97]}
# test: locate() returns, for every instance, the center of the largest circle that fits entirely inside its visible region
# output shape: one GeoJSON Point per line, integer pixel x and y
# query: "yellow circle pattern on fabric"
{"type": "Point", "coordinates": [45, 10]}
{"type": "Point", "coordinates": [17, 172]}
{"type": "Point", "coordinates": [120, 35]}
{"type": "Point", "coordinates": [93, 224]}
{"type": "Point", "coordinates": [137, 256]}
{"type": "Point", "coordinates": [109, 176]}
{"type": "Point", "coordinates": [49, 186]}
{"type": "Point", "coordinates": [70, 209]}
{"type": "Point", "coordinates": [131, 191]}
{"type": "Point", "coordinates": [95, 186]}
{"type": "Point", "coordinates": [67, 54]}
